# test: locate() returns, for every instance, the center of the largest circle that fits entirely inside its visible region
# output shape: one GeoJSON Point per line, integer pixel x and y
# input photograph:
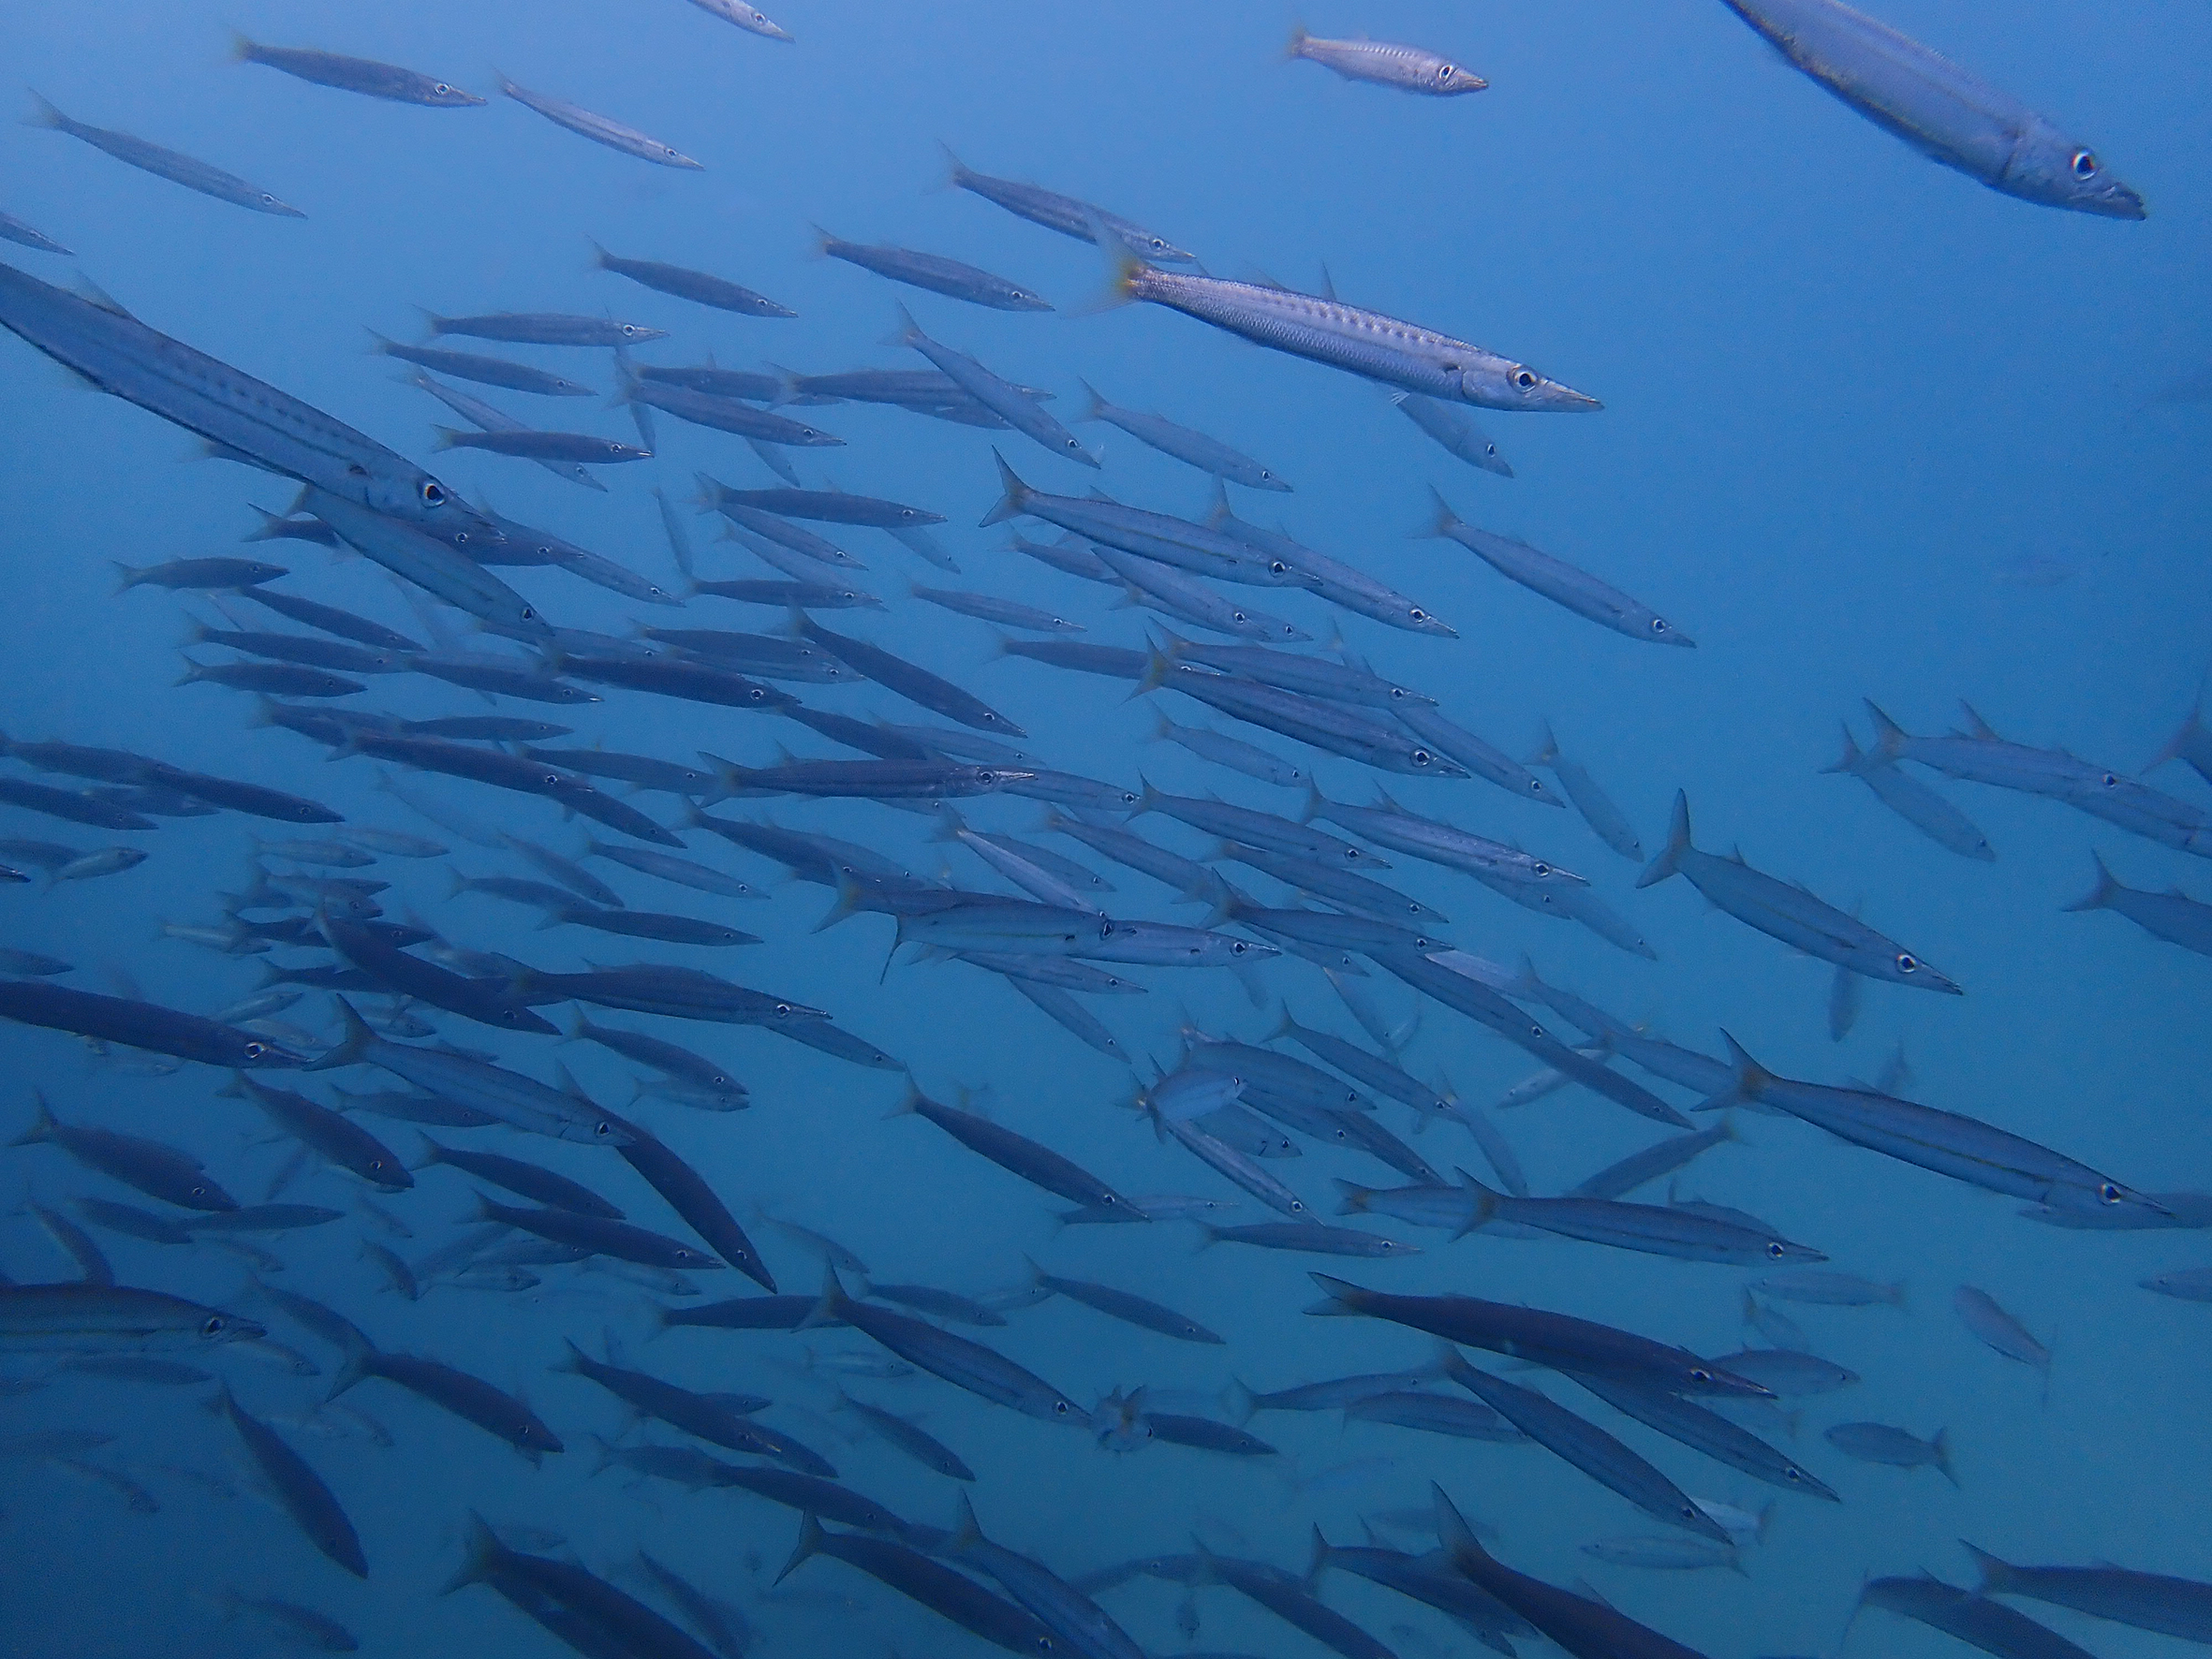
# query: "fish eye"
{"type": "Point", "coordinates": [432, 493]}
{"type": "Point", "coordinates": [1524, 379]}
{"type": "Point", "coordinates": [1445, 72]}
{"type": "Point", "coordinates": [1422, 758]}
{"type": "Point", "coordinates": [602, 1127]}
{"type": "Point", "coordinates": [1540, 868]}
{"type": "Point", "coordinates": [551, 779]}
{"type": "Point", "coordinates": [1239, 948]}
{"type": "Point", "coordinates": [1775, 1251]}
{"type": "Point", "coordinates": [1159, 244]}
{"type": "Point", "coordinates": [782, 1009]}
{"type": "Point", "coordinates": [2084, 164]}
{"type": "Point", "coordinates": [1238, 616]}
{"type": "Point", "coordinates": [1659, 625]}
{"type": "Point", "coordinates": [2110, 1192]}
{"type": "Point", "coordinates": [440, 88]}
{"type": "Point", "coordinates": [212, 1326]}
{"type": "Point", "coordinates": [1697, 1373]}
{"type": "Point", "coordinates": [1073, 444]}
{"type": "Point", "coordinates": [255, 1051]}
{"type": "Point", "coordinates": [1060, 1408]}
{"type": "Point", "coordinates": [1417, 614]}
{"type": "Point", "coordinates": [1276, 568]}
{"type": "Point", "coordinates": [1908, 962]}
{"type": "Point", "coordinates": [267, 198]}
{"type": "Point", "coordinates": [1265, 473]}
{"type": "Point", "coordinates": [2111, 780]}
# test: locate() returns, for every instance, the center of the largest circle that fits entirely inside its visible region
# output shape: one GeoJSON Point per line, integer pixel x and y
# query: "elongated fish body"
{"type": "Point", "coordinates": [1656, 1229]}
{"type": "Point", "coordinates": [1086, 1628]}
{"type": "Point", "coordinates": [1429, 1580]}
{"type": "Point", "coordinates": [1453, 428]}
{"type": "Point", "coordinates": [14, 229]}
{"type": "Point", "coordinates": [361, 74]}
{"type": "Point", "coordinates": [1559, 1341]}
{"type": "Point", "coordinates": [1327, 726]}
{"type": "Point", "coordinates": [600, 129]}
{"type": "Point", "coordinates": [696, 285]}
{"type": "Point", "coordinates": [2148, 1601]}
{"type": "Point", "coordinates": [700, 408]}
{"type": "Point", "coordinates": [121, 355]}
{"type": "Point", "coordinates": [1564, 584]}
{"type": "Point", "coordinates": [1589, 1447]}
{"type": "Point", "coordinates": [1363, 343]}
{"type": "Point", "coordinates": [1585, 1628]}
{"type": "Point", "coordinates": [1914, 801]}
{"type": "Point", "coordinates": [138, 1026]}
{"type": "Point", "coordinates": [305, 1497]}
{"type": "Point", "coordinates": [1974, 1620]}
{"type": "Point", "coordinates": [2172, 916]}
{"type": "Point", "coordinates": [527, 443]}
{"type": "Point", "coordinates": [826, 507]}
{"type": "Point", "coordinates": [1979, 1312]}
{"type": "Point", "coordinates": [1193, 448]}
{"type": "Point", "coordinates": [934, 272]}
{"type": "Point", "coordinates": [1001, 397]}
{"type": "Point", "coordinates": [1404, 68]}
{"type": "Point", "coordinates": [1598, 809]}
{"type": "Point", "coordinates": [1064, 214]}
{"type": "Point", "coordinates": [1690, 1424]}
{"type": "Point", "coordinates": [1789, 913]}
{"type": "Point", "coordinates": [1440, 843]}
{"type": "Point", "coordinates": [1966, 1149]}
{"type": "Point", "coordinates": [485, 371]}
{"type": "Point", "coordinates": [1284, 1596]}
{"type": "Point", "coordinates": [428, 562]}
{"type": "Point", "coordinates": [1940, 109]}
{"type": "Point", "coordinates": [167, 164]}
{"type": "Point", "coordinates": [927, 1583]}
{"type": "Point", "coordinates": [84, 1317]}
{"type": "Point", "coordinates": [962, 1363]}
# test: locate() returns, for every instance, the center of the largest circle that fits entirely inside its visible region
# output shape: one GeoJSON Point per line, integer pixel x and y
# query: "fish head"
{"type": "Point", "coordinates": [1516, 386]}
{"type": "Point", "coordinates": [2047, 167]}
{"type": "Point", "coordinates": [219, 1327]}
{"type": "Point", "coordinates": [1903, 968]}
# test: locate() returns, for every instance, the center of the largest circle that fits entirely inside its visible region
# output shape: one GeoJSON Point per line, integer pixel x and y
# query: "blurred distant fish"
{"type": "Point", "coordinates": [1064, 214]}
{"type": "Point", "coordinates": [166, 164]}
{"type": "Point", "coordinates": [2148, 1601]}
{"type": "Point", "coordinates": [749, 18]}
{"type": "Point", "coordinates": [1974, 1620]}
{"type": "Point", "coordinates": [487, 371]}
{"type": "Point", "coordinates": [1407, 69]}
{"type": "Point", "coordinates": [1001, 397]}
{"type": "Point", "coordinates": [361, 74]}
{"type": "Point", "coordinates": [1940, 109]}
{"type": "Point", "coordinates": [297, 1487]}
{"type": "Point", "coordinates": [1914, 800]}
{"type": "Point", "coordinates": [80, 1318]}
{"type": "Point", "coordinates": [696, 285]}
{"type": "Point", "coordinates": [543, 446]}
{"type": "Point", "coordinates": [1979, 1312]}
{"type": "Point", "coordinates": [1554, 579]}
{"type": "Point", "coordinates": [1878, 1443]}
{"type": "Point", "coordinates": [1194, 448]}
{"type": "Point", "coordinates": [932, 272]}
{"type": "Point", "coordinates": [600, 129]}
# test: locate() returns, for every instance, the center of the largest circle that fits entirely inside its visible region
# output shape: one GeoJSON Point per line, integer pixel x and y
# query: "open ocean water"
{"type": "Point", "coordinates": [1870, 431]}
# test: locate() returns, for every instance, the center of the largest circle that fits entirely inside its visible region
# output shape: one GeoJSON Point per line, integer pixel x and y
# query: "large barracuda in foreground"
{"type": "Point", "coordinates": [1946, 113]}
{"type": "Point", "coordinates": [120, 354]}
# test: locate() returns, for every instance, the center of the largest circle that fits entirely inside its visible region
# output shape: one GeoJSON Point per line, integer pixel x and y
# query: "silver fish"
{"type": "Point", "coordinates": [598, 128]}
{"type": "Point", "coordinates": [164, 163]}
{"type": "Point", "coordinates": [1406, 68]}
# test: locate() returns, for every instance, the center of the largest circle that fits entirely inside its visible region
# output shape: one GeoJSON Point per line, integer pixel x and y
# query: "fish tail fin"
{"type": "Point", "coordinates": [1351, 1196]}
{"type": "Point", "coordinates": [829, 1310]}
{"type": "Point", "coordinates": [1484, 1206]}
{"type": "Point", "coordinates": [1889, 737]}
{"type": "Point", "coordinates": [966, 1534]}
{"type": "Point", "coordinates": [909, 332]}
{"type": "Point", "coordinates": [2190, 736]}
{"type": "Point", "coordinates": [1997, 1575]}
{"type": "Point", "coordinates": [847, 902]}
{"type": "Point", "coordinates": [45, 114]}
{"type": "Point", "coordinates": [2101, 896]}
{"type": "Point", "coordinates": [957, 173]}
{"type": "Point", "coordinates": [480, 1550]}
{"type": "Point", "coordinates": [1850, 759]}
{"type": "Point", "coordinates": [1942, 1445]}
{"type": "Point", "coordinates": [810, 1543]}
{"type": "Point", "coordinates": [42, 1126]}
{"type": "Point", "coordinates": [1316, 802]}
{"type": "Point", "coordinates": [1316, 1562]}
{"type": "Point", "coordinates": [1012, 504]}
{"type": "Point", "coordinates": [447, 437]}
{"type": "Point", "coordinates": [1125, 271]}
{"type": "Point", "coordinates": [1452, 1531]}
{"type": "Point", "coordinates": [129, 576]}
{"type": "Point", "coordinates": [354, 1363]}
{"type": "Point", "coordinates": [352, 1047]}
{"type": "Point", "coordinates": [244, 49]}
{"type": "Point", "coordinates": [1751, 1078]}
{"type": "Point", "coordinates": [1339, 1296]}
{"type": "Point", "coordinates": [1669, 861]}
{"type": "Point", "coordinates": [1547, 750]}
{"type": "Point", "coordinates": [1239, 1401]}
{"type": "Point", "coordinates": [1096, 409]}
{"type": "Point", "coordinates": [1442, 521]}
{"type": "Point", "coordinates": [1294, 48]}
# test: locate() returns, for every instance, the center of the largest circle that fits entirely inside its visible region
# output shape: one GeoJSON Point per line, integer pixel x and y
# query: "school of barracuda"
{"type": "Point", "coordinates": [673, 1351]}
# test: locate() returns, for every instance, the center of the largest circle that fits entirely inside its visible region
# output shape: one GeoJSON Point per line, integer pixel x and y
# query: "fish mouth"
{"type": "Point", "coordinates": [1562, 400]}
{"type": "Point", "coordinates": [2115, 201]}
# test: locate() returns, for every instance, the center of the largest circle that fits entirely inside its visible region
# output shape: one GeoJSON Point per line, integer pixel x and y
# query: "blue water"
{"type": "Point", "coordinates": [1871, 430]}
